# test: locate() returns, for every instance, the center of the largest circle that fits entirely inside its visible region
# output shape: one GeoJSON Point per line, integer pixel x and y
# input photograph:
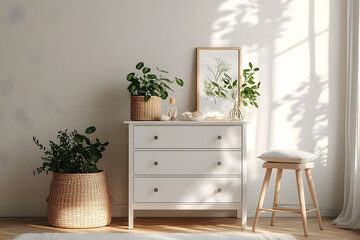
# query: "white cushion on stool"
{"type": "Point", "coordinates": [290, 156]}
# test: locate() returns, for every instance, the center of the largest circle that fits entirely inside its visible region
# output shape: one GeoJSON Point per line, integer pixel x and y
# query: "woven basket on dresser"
{"type": "Point", "coordinates": [145, 111]}
{"type": "Point", "coordinates": [79, 200]}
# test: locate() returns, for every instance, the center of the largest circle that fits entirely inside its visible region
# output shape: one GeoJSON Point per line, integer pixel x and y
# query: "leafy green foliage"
{"type": "Point", "coordinates": [74, 153]}
{"type": "Point", "coordinates": [221, 85]}
{"type": "Point", "coordinates": [148, 84]}
{"type": "Point", "coordinates": [249, 88]}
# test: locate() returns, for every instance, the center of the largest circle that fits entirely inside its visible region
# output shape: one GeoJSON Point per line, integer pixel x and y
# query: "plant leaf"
{"type": "Point", "coordinates": [141, 92]}
{"type": "Point", "coordinates": [166, 86]}
{"type": "Point", "coordinates": [146, 70]}
{"type": "Point", "coordinates": [151, 76]}
{"type": "Point", "coordinates": [130, 76]}
{"type": "Point", "coordinates": [164, 95]}
{"type": "Point", "coordinates": [132, 88]}
{"type": "Point", "coordinates": [156, 86]}
{"type": "Point", "coordinates": [235, 83]}
{"type": "Point", "coordinates": [161, 70]}
{"type": "Point", "coordinates": [223, 94]}
{"type": "Point", "coordinates": [147, 98]}
{"type": "Point", "coordinates": [93, 168]}
{"type": "Point", "coordinates": [140, 65]}
{"type": "Point", "coordinates": [250, 65]}
{"type": "Point", "coordinates": [90, 130]}
{"type": "Point", "coordinates": [215, 84]}
{"type": "Point", "coordinates": [256, 69]}
{"type": "Point", "coordinates": [227, 76]}
{"type": "Point", "coordinates": [179, 81]}
{"type": "Point", "coordinates": [84, 153]}
{"type": "Point", "coordinates": [79, 138]}
{"type": "Point", "coordinates": [166, 79]}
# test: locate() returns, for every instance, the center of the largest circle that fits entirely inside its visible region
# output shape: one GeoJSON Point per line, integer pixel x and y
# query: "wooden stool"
{"type": "Point", "coordinates": [279, 207]}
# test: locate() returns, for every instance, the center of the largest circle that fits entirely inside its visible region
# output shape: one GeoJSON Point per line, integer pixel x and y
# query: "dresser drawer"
{"type": "Point", "coordinates": [188, 162]}
{"type": "Point", "coordinates": [187, 190]}
{"type": "Point", "coordinates": [187, 137]}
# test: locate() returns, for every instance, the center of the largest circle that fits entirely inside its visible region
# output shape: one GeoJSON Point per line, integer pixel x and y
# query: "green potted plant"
{"type": "Point", "coordinates": [226, 89]}
{"type": "Point", "coordinates": [79, 194]}
{"type": "Point", "coordinates": [147, 90]}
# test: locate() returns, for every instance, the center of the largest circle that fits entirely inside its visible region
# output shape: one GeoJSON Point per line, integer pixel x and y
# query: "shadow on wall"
{"type": "Point", "coordinates": [307, 103]}
{"type": "Point", "coordinates": [263, 22]}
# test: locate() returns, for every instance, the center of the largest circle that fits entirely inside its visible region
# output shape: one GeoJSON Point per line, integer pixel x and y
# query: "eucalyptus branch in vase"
{"type": "Point", "coordinates": [248, 89]}
{"type": "Point", "coordinates": [248, 94]}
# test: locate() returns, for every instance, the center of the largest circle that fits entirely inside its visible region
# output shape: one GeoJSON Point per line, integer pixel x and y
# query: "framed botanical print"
{"type": "Point", "coordinates": [218, 80]}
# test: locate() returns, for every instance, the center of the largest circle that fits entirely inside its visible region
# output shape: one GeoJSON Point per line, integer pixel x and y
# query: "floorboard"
{"type": "Point", "coordinates": [11, 227]}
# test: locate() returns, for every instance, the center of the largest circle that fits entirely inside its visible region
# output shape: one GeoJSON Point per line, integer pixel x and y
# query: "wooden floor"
{"type": "Point", "coordinates": [10, 227]}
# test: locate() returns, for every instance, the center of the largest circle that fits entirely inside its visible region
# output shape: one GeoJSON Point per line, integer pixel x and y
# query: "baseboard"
{"type": "Point", "coordinates": [120, 210]}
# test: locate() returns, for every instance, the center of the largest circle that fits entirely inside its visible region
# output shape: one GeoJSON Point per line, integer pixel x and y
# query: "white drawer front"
{"type": "Point", "coordinates": [187, 137]}
{"type": "Point", "coordinates": [188, 162]}
{"type": "Point", "coordinates": [187, 190]}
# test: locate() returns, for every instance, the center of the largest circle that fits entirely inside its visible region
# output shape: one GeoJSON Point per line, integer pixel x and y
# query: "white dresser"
{"type": "Point", "coordinates": [176, 165]}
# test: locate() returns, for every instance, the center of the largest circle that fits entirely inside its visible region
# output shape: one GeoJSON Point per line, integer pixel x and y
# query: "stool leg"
{"type": "Point", "coordinates": [262, 196]}
{"type": "Point", "coordinates": [300, 186]}
{"type": "Point", "coordinates": [276, 194]}
{"type": "Point", "coordinates": [313, 195]}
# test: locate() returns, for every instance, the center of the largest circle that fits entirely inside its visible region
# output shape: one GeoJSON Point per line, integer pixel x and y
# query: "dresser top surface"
{"type": "Point", "coordinates": [197, 123]}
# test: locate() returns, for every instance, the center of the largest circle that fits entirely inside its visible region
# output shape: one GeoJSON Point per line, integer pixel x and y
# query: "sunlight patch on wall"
{"type": "Point", "coordinates": [289, 41]}
{"type": "Point", "coordinates": [300, 86]}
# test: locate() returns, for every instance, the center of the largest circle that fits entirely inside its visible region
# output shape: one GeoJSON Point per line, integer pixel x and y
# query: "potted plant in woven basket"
{"type": "Point", "coordinates": [79, 195]}
{"type": "Point", "coordinates": [147, 90]}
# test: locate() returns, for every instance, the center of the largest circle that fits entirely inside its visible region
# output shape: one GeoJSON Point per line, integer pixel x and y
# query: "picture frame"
{"type": "Point", "coordinates": [211, 64]}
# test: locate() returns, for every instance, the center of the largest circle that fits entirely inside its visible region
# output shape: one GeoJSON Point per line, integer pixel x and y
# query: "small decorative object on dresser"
{"type": "Point", "coordinates": [193, 116]}
{"type": "Point", "coordinates": [175, 165]}
{"type": "Point", "coordinates": [172, 110]}
{"type": "Point", "coordinates": [79, 195]}
{"type": "Point", "coordinates": [147, 90]}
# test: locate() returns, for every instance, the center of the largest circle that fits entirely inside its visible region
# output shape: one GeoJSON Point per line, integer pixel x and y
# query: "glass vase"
{"type": "Point", "coordinates": [237, 112]}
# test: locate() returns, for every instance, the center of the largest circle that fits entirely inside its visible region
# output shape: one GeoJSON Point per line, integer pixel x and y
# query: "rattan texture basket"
{"type": "Point", "coordinates": [145, 111]}
{"type": "Point", "coordinates": [79, 200]}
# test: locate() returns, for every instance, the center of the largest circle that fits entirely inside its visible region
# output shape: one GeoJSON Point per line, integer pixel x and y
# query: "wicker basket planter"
{"type": "Point", "coordinates": [145, 111]}
{"type": "Point", "coordinates": [79, 200]}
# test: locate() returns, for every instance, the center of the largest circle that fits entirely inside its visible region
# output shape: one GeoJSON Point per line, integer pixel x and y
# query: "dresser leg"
{"type": "Point", "coordinates": [243, 216]}
{"type": "Point", "coordinates": [131, 219]}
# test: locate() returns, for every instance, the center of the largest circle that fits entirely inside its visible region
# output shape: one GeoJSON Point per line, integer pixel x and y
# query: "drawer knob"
{"type": "Point", "coordinates": [156, 163]}
{"type": "Point", "coordinates": [219, 163]}
{"type": "Point", "coordinates": [156, 137]}
{"type": "Point", "coordinates": [156, 190]}
{"type": "Point", "coordinates": [219, 190]}
{"type": "Point", "coordinates": [219, 137]}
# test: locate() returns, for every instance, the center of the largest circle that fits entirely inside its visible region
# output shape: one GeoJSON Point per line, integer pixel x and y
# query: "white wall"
{"type": "Point", "coordinates": [63, 65]}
